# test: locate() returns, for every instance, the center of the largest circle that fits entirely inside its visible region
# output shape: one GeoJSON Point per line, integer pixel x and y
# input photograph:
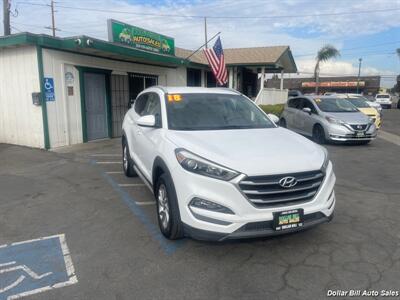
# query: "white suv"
{"type": "Point", "coordinates": [384, 100]}
{"type": "Point", "coordinates": [221, 169]}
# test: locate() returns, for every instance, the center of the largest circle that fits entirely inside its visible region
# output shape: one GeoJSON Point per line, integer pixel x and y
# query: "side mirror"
{"type": "Point", "coordinates": [274, 118]}
{"type": "Point", "coordinates": [147, 121]}
{"type": "Point", "coordinates": [307, 110]}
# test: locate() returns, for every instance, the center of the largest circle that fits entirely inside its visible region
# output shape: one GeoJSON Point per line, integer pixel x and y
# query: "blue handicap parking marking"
{"type": "Point", "coordinates": [35, 266]}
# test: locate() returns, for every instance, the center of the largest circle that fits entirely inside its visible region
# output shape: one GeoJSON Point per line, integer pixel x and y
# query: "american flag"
{"type": "Point", "coordinates": [215, 57]}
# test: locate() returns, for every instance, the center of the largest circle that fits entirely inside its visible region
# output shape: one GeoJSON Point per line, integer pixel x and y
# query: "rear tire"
{"type": "Point", "coordinates": [282, 123]}
{"type": "Point", "coordinates": [169, 219]}
{"type": "Point", "coordinates": [127, 162]}
{"type": "Point", "coordinates": [318, 135]}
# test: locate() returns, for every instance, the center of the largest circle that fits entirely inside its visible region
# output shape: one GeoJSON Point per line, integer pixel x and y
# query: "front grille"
{"type": "Point", "coordinates": [265, 191]}
{"type": "Point", "coordinates": [359, 126]}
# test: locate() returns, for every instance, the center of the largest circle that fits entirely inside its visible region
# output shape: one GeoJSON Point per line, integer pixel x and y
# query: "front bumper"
{"type": "Point", "coordinates": [247, 221]}
{"type": "Point", "coordinates": [342, 133]}
{"type": "Point", "coordinates": [351, 138]}
{"type": "Point", "coordinates": [255, 229]}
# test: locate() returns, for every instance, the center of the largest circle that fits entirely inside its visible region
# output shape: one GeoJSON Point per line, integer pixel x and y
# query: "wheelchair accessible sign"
{"type": "Point", "coordinates": [35, 266]}
{"type": "Point", "coordinates": [49, 89]}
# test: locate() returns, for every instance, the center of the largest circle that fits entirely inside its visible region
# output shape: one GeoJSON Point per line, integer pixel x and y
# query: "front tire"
{"type": "Point", "coordinates": [127, 162]}
{"type": "Point", "coordinates": [319, 135]}
{"type": "Point", "coordinates": [168, 216]}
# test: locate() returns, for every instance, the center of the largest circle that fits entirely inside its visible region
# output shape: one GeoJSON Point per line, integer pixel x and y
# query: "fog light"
{"type": "Point", "coordinates": [209, 205]}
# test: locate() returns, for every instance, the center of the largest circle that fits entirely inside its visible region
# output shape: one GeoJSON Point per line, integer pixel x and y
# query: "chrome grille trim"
{"type": "Point", "coordinates": [265, 191]}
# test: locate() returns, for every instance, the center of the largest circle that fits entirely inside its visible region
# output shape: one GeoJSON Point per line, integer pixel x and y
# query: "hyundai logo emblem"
{"type": "Point", "coordinates": [288, 182]}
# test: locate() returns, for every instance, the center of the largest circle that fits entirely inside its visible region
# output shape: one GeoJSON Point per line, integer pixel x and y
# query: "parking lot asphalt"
{"type": "Point", "coordinates": [391, 120]}
{"type": "Point", "coordinates": [109, 225]}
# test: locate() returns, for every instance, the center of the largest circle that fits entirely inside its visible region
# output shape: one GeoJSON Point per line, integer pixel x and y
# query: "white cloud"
{"type": "Point", "coordinates": [342, 68]}
{"type": "Point", "coordinates": [338, 67]}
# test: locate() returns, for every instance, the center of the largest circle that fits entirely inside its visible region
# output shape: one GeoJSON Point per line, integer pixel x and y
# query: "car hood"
{"type": "Point", "coordinates": [253, 151]}
{"type": "Point", "coordinates": [351, 117]}
{"type": "Point", "coordinates": [369, 111]}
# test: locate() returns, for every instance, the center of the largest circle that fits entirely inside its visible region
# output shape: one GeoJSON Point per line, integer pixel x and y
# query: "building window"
{"type": "Point", "coordinates": [193, 77]}
{"type": "Point", "coordinates": [139, 82]}
{"type": "Point", "coordinates": [211, 82]}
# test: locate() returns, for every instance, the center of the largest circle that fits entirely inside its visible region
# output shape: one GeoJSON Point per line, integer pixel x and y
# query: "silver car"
{"type": "Point", "coordinates": [327, 118]}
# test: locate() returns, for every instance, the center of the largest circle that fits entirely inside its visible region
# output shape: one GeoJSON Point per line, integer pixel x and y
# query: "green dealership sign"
{"type": "Point", "coordinates": [139, 38]}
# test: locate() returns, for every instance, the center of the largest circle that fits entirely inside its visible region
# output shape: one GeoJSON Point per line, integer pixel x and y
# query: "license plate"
{"type": "Point", "coordinates": [360, 134]}
{"type": "Point", "coordinates": [288, 219]}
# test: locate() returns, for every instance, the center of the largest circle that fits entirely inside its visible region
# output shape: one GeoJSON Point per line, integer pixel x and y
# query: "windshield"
{"type": "Point", "coordinates": [382, 96]}
{"type": "Point", "coordinates": [213, 112]}
{"type": "Point", "coordinates": [359, 102]}
{"type": "Point", "coordinates": [335, 105]}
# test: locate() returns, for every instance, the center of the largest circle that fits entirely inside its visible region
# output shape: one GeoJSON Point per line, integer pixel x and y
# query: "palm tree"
{"type": "Point", "coordinates": [324, 54]}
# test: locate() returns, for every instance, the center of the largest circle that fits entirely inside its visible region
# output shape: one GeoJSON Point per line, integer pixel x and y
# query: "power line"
{"type": "Point", "coordinates": [222, 17]}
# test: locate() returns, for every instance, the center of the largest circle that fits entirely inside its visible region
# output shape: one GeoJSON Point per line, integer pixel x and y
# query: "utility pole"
{"type": "Point", "coordinates": [53, 22]}
{"type": "Point", "coordinates": [359, 72]}
{"type": "Point", "coordinates": [205, 32]}
{"type": "Point", "coordinates": [6, 17]}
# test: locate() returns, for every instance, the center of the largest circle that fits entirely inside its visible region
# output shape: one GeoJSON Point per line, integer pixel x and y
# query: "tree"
{"type": "Point", "coordinates": [324, 54]}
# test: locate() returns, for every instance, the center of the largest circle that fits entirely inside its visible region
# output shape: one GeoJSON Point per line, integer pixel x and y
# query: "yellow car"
{"type": "Point", "coordinates": [363, 106]}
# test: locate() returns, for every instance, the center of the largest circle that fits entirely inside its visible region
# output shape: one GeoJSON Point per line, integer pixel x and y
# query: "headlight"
{"type": "Point", "coordinates": [334, 121]}
{"type": "Point", "coordinates": [201, 166]}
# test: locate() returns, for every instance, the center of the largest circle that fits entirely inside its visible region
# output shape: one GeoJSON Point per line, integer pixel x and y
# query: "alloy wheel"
{"type": "Point", "coordinates": [163, 206]}
{"type": "Point", "coordinates": [125, 158]}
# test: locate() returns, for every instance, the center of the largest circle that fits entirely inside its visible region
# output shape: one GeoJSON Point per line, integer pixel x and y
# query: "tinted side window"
{"type": "Point", "coordinates": [307, 103]}
{"type": "Point", "coordinates": [153, 105]}
{"type": "Point", "coordinates": [294, 103]}
{"type": "Point", "coordinates": [140, 104]}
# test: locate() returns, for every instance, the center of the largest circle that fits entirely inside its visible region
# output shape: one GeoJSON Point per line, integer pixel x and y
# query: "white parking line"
{"type": "Point", "coordinates": [115, 172]}
{"type": "Point", "coordinates": [108, 162]}
{"type": "Point", "coordinates": [145, 203]}
{"type": "Point", "coordinates": [389, 137]}
{"type": "Point", "coordinates": [130, 184]}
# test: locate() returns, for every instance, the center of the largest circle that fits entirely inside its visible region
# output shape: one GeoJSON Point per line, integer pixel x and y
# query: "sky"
{"type": "Point", "coordinates": [367, 29]}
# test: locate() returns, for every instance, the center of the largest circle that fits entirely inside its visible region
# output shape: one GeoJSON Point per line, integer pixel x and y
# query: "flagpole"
{"type": "Point", "coordinates": [197, 50]}
{"type": "Point", "coordinates": [205, 32]}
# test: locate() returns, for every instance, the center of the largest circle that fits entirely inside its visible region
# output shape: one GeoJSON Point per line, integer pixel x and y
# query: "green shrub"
{"type": "Point", "coordinates": [275, 109]}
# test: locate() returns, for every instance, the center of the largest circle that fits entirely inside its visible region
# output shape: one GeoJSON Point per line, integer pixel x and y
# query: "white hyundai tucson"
{"type": "Point", "coordinates": [221, 169]}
